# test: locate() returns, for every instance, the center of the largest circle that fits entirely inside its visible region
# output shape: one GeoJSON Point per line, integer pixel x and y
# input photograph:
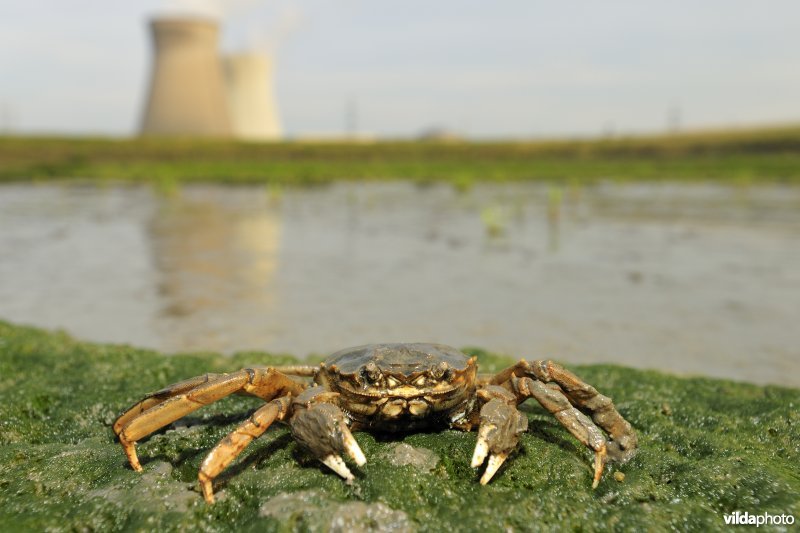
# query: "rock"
{"type": "Point", "coordinates": [358, 517]}
{"type": "Point", "coordinates": [422, 459]}
{"type": "Point", "coordinates": [317, 512]}
{"type": "Point", "coordinates": [724, 447]}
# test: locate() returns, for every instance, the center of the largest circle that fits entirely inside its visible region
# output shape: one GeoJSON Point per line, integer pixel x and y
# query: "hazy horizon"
{"type": "Point", "coordinates": [509, 69]}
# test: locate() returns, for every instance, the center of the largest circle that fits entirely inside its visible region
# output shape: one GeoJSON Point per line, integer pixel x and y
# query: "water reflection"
{"type": "Point", "coordinates": [215, 257]}
{"type": "Point", "coordinates": [691, 279]}
{"type": "Point", "coordinates": [554, 197]}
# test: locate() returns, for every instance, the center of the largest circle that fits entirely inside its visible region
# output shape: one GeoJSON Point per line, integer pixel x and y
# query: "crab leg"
{"type": "Point", "coordinates": [232, 445]}
{"type": "Point", "coordinates": [577, 423]}
{"type": "Point", "coordinates": [266, 383]}
{"type": "Point", "coordinates": [160, 396]}
{"type": "Point", "coordinates": [586, 398]}
{"type": "Point", "coordinates": [622, 445]}
{"type": "Point", "coordinates": [320, 426]}
{"type": "Point", "coordinates": [498, 434]}
{"type": "Point", "coordinates": [298, 370]}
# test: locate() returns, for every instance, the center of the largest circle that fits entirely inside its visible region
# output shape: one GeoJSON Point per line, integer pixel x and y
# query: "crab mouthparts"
{"type": "Point", "coordinates": [404, 392]}
{"type": "Point", "coordinates": [393, 408]}
{"type": "Point", "coordinates": [402, 402]}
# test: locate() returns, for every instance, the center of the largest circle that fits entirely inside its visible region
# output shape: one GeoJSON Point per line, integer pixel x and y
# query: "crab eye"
{"type": "Point", "coordinates": [371, 372]}
{"type": "Point", "coordinates": [420, 381]}
{"type": "Point", "coordinates": [442, 370]}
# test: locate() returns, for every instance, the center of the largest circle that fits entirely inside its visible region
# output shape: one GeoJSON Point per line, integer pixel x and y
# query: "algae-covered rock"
{"type": "Point", "coordinates": [313, 511]}
{"type": "Point", "coordinates": [716, 448]}
{"type": "Point", "coordinates": [402, 454]}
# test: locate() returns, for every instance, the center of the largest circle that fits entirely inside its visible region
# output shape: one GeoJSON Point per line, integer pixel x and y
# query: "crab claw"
{"type": "Point", "coordinates": [482, 446]}
{"type": "Point", "coordinates": [498, 435]}
{"type": "Point", "coordinates": [495, 461]}
{"type": "Point", "coordinates": [322, 429]}
{"type": "Point", "coordinates": [335, 463]}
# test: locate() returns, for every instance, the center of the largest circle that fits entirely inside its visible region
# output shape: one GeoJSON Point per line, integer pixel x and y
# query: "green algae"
{"type": "Point", "coordinates": [708, 447]}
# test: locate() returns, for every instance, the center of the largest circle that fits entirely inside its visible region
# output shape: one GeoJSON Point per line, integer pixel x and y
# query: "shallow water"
{"type": "Point", "coordinates": [692, 279]}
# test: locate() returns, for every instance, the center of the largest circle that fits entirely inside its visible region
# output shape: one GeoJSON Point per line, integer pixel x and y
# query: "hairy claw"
{"type": "Point", "coordinates": [498, 435]}
{"type": "Point", "coordinates": [322, 429]}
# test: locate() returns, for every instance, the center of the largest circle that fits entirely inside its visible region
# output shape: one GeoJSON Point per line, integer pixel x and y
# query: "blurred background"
{"type": "Point", "coordinates": [603, 183]}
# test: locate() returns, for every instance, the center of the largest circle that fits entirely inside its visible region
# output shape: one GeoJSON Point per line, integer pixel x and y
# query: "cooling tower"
{"type": "Point", "coordinates": [251, 100]}
{"type": "Point", "coordinates": [187, 91]}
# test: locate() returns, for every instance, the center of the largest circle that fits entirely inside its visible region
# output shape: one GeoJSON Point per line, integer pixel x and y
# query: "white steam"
{"type": "Point", "coordinates": [251, 25]}
{"type": "Point", "coordinates": [218, 9]}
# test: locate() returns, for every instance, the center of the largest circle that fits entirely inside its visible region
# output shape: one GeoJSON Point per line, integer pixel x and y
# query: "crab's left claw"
{"type": "Point", "coordinates": [322, 429]}
{"type": "Point", "coordinates": [498, 434]}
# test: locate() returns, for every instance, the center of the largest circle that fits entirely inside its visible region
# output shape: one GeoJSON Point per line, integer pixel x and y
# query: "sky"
{"type": "Point", "coordinates": [506, 68]}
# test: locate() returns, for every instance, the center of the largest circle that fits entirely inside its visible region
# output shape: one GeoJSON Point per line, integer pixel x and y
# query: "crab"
{"type": "Point", "coordinates": [388, 388]}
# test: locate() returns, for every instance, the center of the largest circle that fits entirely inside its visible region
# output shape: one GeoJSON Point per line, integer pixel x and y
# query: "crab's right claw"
{"type": "Point", "coordinates": [498, 435]}
{"type": "Point", "coordinates": [322, 429]}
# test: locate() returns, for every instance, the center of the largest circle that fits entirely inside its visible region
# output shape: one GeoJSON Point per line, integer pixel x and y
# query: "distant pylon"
{"type": "Point", "coordinates": [187, 91]}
